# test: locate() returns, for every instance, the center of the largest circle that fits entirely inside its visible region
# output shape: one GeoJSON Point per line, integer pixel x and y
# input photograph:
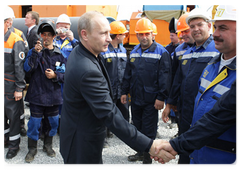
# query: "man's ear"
{"type": "Point", "coordinates": [84, 34]}
{"type": "Point", "coordinates": [209, 25]}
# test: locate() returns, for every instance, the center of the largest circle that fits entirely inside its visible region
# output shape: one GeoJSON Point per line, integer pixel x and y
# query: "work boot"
{"type": "Point", "coordinates": [32, 150]}
{"type": "Point", "coordinates": [47, 147]}
{"type": "Point", "coordinates": [109, 133]}
{"type": "Point", "coordinates": [146, 158]}
{"type": "Point", "coordinates": [12, 153]}
{"type": "Point", "coordinates": [23, 131]}
{"type": "Point", "coordinates": [137, 157]}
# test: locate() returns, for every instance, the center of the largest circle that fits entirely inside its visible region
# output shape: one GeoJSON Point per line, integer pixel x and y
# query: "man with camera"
{"type": "Point", "coordinates": [64, 40]}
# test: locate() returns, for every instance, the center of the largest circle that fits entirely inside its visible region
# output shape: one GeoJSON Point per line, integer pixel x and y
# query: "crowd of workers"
{"type": "Point", "coordinates": [83, 87]}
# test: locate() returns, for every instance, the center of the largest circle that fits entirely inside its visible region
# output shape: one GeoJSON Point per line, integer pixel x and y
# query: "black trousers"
{"type": "Point", "coordinates": [145, 119]}
{"type": "Point", "coordinates": [12, 111]}
{"type": "Point", "coordinates": [22, 116]}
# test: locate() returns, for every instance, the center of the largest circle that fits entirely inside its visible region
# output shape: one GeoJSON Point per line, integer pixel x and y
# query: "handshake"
{"type": "Point", "coordinates": [162, 151]}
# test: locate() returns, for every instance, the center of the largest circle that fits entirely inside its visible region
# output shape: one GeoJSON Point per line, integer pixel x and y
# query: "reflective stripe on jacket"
{"type": "Point", "coordinates": [185, 83]}
{"type": "Point", "coordinates": [115, 61]}
{"type": "Point", "coordinates": [148, 74]}
{"type": "Point", "coordinates": [177, 56]}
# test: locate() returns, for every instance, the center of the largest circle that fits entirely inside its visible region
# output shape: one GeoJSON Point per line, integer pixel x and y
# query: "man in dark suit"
{"type": "Point", "coordinates": [31, 21]}
{"type": "Point", "coordinates": [88, 106]}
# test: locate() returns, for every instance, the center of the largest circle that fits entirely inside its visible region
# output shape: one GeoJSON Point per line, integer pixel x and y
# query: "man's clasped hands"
{"type": "Point", "coordinates": [162, 151]}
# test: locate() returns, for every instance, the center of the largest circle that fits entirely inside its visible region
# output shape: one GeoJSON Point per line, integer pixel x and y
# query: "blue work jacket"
{"type": "Point", "coordinates": [148, 74]}
{"type": "Point", "coordinates": [171, 48]}
{"type": "Point", "coordinates": [185, 83]}
{"type": "Point", "coordinates": [66, 46]}
{"type": "Point", "coordinates": [43, 91]}
{"type": "Point", "coordinates": [212, 85]}
{"type": "Point", "coordinates": [115, 61]}
{"type": "Point", "coordinates": [177, 56]}
{"type": "Point", "coordinates": [210, 126]}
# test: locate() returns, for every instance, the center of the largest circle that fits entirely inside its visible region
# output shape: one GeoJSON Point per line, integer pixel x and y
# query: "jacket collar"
{"type": "Point", "coordinates": [206, 43]}
{"type": "Point", "coordinates": [151, 48]}
{"type": "Point", "coordinates": [217, 58]}
{"type": "Point", "coordinates": [89, 54]}
{"type": "Point", "coordinates": [55, 49]}
{"type": "Point", "coordinates": [111, 48]}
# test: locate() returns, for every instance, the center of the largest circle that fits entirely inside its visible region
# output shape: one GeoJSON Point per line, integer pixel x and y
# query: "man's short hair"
{"type": "Point", "coordinates": [35, 16]}
{"type": "Point", "coordinates": [113, 36]}
{"type": "Point", "coordinates": [85, 22]}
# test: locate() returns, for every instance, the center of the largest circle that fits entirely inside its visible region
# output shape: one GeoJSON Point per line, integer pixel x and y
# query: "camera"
{"type": "Point", "coordinates": [63, 30]}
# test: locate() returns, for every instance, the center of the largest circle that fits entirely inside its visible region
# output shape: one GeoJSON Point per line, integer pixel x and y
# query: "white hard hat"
{"type": "Point", "coordinates": [225, 12]}
{"type": "Point", "coordinates": [198, 13]}
{"type": "Point", "coordinates": [63, 18]}
{"type": "Point", "coordinates": [8, 13]}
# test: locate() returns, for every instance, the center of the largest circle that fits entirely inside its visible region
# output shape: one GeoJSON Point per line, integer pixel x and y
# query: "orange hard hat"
{"type": "Point", "coordinates": [154, 29]}
{"type": "Point", "coordinates": [143, 25]}
{"type": "Point", "coordinates": [181, 24]}
{"type": "Point", "coordinates": [117, 27]}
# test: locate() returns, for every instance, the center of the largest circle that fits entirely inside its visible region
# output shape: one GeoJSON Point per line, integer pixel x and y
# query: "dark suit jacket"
{"type": "Point", "coordinates": [32, 37]}
{"type": "Point", "coordinates": [88, 108]}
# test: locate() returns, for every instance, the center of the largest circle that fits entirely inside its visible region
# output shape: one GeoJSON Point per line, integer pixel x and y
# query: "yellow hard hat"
{"type": "Point", "coordinates": [118, 27]}
{"type": "Point", "coordinates": [143, 25]}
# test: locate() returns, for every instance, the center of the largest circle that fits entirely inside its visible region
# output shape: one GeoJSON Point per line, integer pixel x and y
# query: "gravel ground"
{"type": "Point", "coordinates": [116, 153]}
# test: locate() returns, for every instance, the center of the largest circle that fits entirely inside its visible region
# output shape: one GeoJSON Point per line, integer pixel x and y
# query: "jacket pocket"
{"type": "Point", "coordinates": [201, 64]}
{"type": "Point", "coordinates": [151, 64]}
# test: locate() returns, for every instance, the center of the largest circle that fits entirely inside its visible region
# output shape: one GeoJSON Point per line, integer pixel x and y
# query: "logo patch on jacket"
{"type": "Point", "coordinates": [109, 60]}
{"type": "Point", "coordinates": [132, 60]}
{"type": "Point", "coordinates": [184, 62]}
{"type": "Point", "coordinates": [205, 73]}
{"type": "Point", "coordinates": [21, 55]}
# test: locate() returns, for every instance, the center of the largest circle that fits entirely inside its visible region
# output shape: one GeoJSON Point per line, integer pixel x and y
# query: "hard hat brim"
{"type": "Point", "coordinates": [143, 31]}
{"type": "Point", "coordinates": [119, 33]}
{"type": "Point", "coordinates": [222, 19]}
{"type": "Point", "coordinates": [189, 18]}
